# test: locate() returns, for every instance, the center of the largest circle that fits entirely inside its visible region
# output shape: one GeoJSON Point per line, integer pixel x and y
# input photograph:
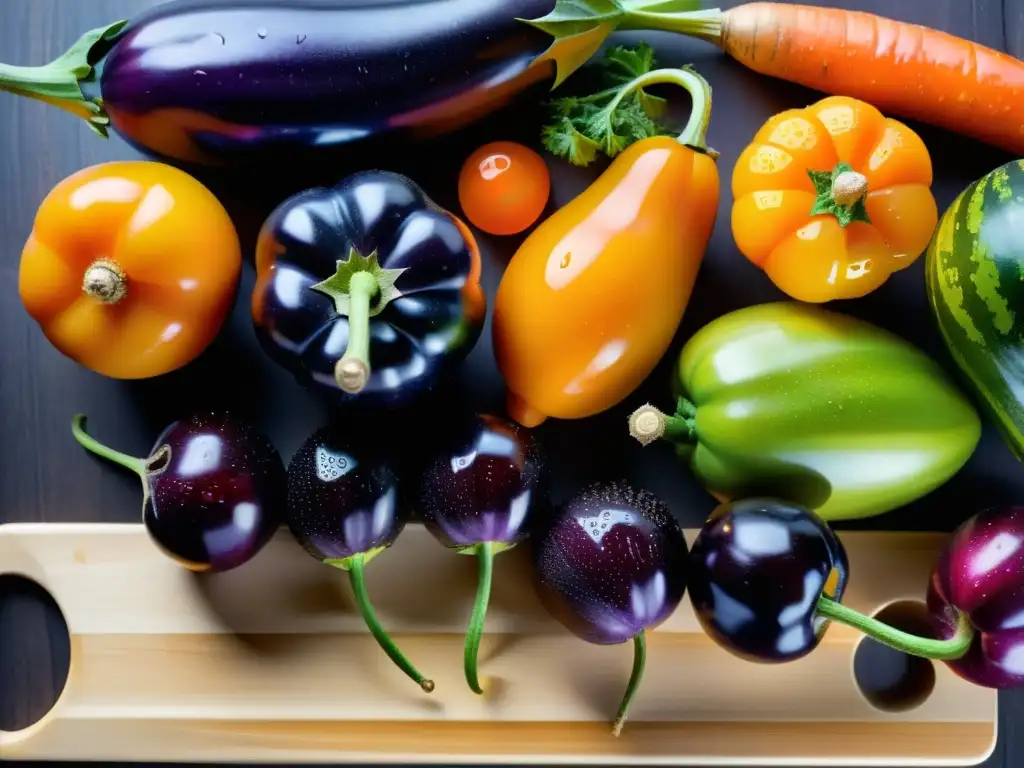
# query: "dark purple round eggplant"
{"type": "Point", "coordinates": [221, 81]}
{"type": "Point", "coordinates": [478, 496]}
{"type": "Point", "coordinates": [610, 565]}
{"type": "Point", "coordinates": [367, 291]}
{"type": "Point", "coordinates": [767, 576]}
{"type": "Point", "coordinates": [343, 508]}
{"type": "Point", "coordinates": [213, 489]}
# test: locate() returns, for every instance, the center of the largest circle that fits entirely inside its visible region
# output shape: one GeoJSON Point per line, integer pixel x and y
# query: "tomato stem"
{"type": "Point", "coordinates": [354, 566]}
{"type": "Point", "coordinates": [639, 662]}
{"type": "Point", "coordinates": [926, 647]}
{"type": "Point", "coordinates": [91, 444]}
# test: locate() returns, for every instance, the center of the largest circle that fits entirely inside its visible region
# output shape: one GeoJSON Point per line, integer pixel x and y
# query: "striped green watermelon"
{"type": "Point", "coordinates": [974, 273]}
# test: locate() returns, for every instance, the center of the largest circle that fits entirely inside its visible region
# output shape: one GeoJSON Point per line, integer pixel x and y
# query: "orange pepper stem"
{"type": "Point", "coordinates": [647, 424]}
{"type": "Point", "coordinates": [105, 281]}
{"type": "Point", "coordinates": [695, 132]}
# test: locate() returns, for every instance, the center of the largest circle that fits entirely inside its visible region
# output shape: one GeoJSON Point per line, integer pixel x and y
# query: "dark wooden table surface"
{"type": "Point", "coordinates": [45, 476]}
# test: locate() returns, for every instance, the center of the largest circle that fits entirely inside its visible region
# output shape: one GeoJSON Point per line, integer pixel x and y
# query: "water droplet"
{"type": "Point", "coordinates": [261, 33]}
{"type": "Point", "coordinates": [300, 39]}
{"type": "Point", "coordinates": [223, 41]}
{"type": "Point", "coordinates": [200, 72]}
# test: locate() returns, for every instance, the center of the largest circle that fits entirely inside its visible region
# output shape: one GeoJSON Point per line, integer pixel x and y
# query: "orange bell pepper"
{"type": "Point", "coordinates": [832, 199]}
{"type": "Point", "coordinates": [590, 302]}
{"type": "Point", "coordinates": [131, 268]}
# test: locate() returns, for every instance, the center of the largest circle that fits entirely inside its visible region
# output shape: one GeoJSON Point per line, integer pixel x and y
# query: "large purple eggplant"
{"type": "Point", "coordinates": [221, 81]}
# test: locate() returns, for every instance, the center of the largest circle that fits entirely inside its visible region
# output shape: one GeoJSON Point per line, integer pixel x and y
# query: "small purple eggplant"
{"type": "Point", "coordinates": [343, 508]}
{"type": "Point", "coordinates": [611, 564]}
{"type": "Point", "coordinates": [213, 489]}
{"type": "Point", "coordinates": [478, 497]}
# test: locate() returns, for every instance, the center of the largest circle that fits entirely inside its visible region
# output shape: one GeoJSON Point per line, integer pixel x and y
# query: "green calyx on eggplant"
{"type": "Point", "coordinates": [227, 82]}
{"type": "Point", "coordinates": [813, 407]}
{"type": "Point", "coordinates": [974, 275]}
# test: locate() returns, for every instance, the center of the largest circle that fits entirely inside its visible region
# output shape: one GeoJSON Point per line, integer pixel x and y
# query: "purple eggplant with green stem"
{"type": "Point", "coordinates": [235, 81]}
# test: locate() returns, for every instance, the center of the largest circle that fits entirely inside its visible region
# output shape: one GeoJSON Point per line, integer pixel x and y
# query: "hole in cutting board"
{"type": "Point", "coordinates": [35, 652]}
{"type": "Point", "coordinates": [891, 680]}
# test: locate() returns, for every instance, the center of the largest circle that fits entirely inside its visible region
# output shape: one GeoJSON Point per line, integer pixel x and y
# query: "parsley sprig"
{"type": "Point", "coordinates": [614, 117]}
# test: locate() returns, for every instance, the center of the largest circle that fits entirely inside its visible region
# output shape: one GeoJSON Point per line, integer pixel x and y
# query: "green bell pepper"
{"type": "Point", "coordinates": [813, 407]}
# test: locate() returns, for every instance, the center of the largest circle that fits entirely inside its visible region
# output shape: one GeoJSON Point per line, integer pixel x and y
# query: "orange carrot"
{"type": "Point", "coordinates": [900, 68]}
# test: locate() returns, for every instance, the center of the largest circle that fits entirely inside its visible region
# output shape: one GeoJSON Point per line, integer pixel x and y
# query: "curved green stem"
{"type": "Point", "coordinates": [353, 369]}
{"type": "Point", "coordinates": [355, 571]}
{"type": "Point", "coordinates": [639, 661]}
{"type": "Point", "coordinates": [138, 466]}
{"type": "Point", "coordinates": [695, 132]}
{"type": "Point", "coordinates": [926, 647]}
{"type": "Point", "coordinates": [485, 554]}
{"type": "Point", "coordinates": [647, 424]}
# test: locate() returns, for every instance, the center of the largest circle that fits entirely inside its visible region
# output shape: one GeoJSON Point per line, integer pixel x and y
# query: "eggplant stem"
{"type": "Point", "coordinates": [485, 554]}
{"type": "Point", "coordinates": [91, 444]}
{"type": "Point", "coordinates": [926, 647]}
{"type": "Point", "coordinates": [353, 369]}
{"type": "Point", "coordinates": [356, 577]}
{"type": "Point", "coordinates": [639, 662]}
{"type": "Point", "coordinates": [706, 24]}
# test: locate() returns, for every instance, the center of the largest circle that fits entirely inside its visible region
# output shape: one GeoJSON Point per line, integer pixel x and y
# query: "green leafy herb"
{"type": "Point", "coordinates": [606, 121]}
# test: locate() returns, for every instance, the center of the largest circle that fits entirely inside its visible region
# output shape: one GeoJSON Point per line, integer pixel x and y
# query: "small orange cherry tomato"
{"type": "Point", "coordinates": [832, 199]}
{"type": "Point", "coordinates": [131, 268]}
{"type": "Point", "coordinates": [503, 187]}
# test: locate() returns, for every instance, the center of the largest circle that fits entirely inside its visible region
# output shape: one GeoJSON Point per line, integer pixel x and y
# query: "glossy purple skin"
{"type": "Point", "coordinates": [418, 338]}
{"type": "Point", "coordinates": [220, 495]}
{"type": "Point", "coordinates": [342, 500]}
{"type": "Point", "coordinates": [485, 485]}
{"type": "Point", "coordinates": [981, 572]}
{"type": "Point", "coordinates": [758, 567]}
{"type": "Point", "coordinates": [611, 563]}
{"type": "Point", "coordinates": [226, 79]}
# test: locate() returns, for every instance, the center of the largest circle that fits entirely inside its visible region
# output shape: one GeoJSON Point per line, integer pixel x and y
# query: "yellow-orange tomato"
{"type": "Point", "coordinates": [593, 297]}
{"type": "Point", "coordinates": [872, 170]}
{"type": "Point", "coordinates": [131, 268]}
{"type": "Point", "coordinates": [503, 187]}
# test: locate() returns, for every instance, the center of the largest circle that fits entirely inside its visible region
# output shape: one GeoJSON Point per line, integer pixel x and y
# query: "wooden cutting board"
{"type": "Point", "coordinates": [271, 663]}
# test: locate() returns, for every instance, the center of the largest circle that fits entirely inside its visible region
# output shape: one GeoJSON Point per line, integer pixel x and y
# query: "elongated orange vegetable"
{"type": "Point", "coordinates": [904, 69]}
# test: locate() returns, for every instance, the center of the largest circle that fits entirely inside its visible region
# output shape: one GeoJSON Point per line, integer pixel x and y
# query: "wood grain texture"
{"type": "Point", "coordinates": [46, 476]}
{"type": "Point", "coordinates": [272, 663]}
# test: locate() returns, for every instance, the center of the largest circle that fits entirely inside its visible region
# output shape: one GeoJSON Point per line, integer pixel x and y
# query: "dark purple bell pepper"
{"type": "Point", "coordinates": [981, 573]}
{"type": "Point", "coordinates": [367, 291]}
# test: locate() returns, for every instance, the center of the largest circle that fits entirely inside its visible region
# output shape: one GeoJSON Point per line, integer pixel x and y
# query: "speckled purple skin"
{"type": "Point", "coordinates": [210, 80]}
{"type": "Point", "coordinates": [758, 567]}
{"type": "Point", "coordinates": [220, 495]}
{"type": "Point", "coordinates": [485, 485]}
{"type": "Point", "coordinates": [612, 563]}
{"type": "Point", "coordinates": [981, 572]}
{"type": "Point", "coordinates": [342, 501]}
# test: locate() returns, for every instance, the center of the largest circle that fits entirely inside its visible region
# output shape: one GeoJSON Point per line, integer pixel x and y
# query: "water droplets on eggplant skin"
{"type": "Point", "coordinates": [486, 483]}
{"type": "Point", "coordinates": [343, 496]}
{"type": "Point", "coordinates": [610, 563]}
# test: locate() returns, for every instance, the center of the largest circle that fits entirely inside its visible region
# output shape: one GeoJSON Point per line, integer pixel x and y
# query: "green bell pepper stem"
{"type": "Point", "coordinates": [639, 662]}
{"type": "Point", "coordinates": [928, 648]}
{"type": "Point", "coordinates": [647, 424]}
{"type": "Point", "coordinates": [355, 565]}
